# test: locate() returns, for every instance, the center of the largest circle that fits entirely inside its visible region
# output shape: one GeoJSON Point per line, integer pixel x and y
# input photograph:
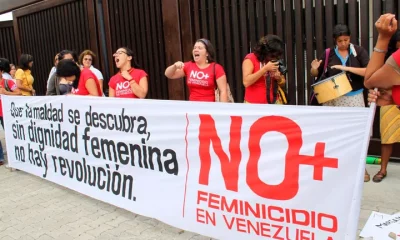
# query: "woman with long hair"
{"type": "Point", "coordinates": [203, 74]}
{"type": "Point", "coordinates": [130, 81]}
{"type": "Point", "coordinates": [23, 75]}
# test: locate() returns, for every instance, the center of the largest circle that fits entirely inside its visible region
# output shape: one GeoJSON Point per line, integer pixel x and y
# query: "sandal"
{"type": "Point", "coordinates": [366, 177]}
{"type": "Point", "coordinates": [379, 177]}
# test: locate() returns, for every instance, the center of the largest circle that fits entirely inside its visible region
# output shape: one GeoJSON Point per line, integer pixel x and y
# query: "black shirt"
{"type": "Point", "coordinates": [360, 61]}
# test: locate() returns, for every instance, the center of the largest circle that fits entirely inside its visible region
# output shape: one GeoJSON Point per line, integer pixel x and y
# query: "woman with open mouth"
{"type": "Point", "coordinates": [130, 81]}
{"type": "Point", "coordinates": [203, 74]}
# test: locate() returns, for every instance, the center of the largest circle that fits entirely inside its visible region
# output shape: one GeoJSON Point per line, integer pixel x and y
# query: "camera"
{"type": "Point", "coordinates": [281, 67]}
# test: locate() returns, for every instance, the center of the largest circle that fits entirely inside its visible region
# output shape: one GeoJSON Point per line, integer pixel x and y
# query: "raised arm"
{"type": "Point", "coordinates": [175, 70]}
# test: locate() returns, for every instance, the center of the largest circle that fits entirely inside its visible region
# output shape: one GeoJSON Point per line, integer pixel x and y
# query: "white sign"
{"type": "Point", "coordinates": [229, 171]}
{"type": "Point", "coordinates": [380, 225]}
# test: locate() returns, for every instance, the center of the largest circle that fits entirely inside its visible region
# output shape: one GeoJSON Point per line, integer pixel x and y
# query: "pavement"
{"type": "Point", "coordinates": [33, 208]}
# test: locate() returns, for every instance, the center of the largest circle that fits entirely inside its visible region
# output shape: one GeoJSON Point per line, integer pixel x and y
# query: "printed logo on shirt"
{"type": "Point", "coordinates": [198, 78]}
{"type": "Point", "coordinates": [123, 88]}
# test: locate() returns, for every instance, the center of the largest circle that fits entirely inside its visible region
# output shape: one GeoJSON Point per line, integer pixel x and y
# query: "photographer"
{"type": "Point", "coordinates": [263, 73]}
{"type": "Point", "coordinates": [344, 56]}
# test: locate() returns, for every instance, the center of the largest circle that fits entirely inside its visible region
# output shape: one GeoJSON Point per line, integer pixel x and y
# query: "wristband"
{"type": "Point", "coordinates": [380, 50]}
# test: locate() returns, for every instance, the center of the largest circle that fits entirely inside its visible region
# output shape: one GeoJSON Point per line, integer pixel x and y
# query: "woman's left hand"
{"type": "Point", "coordinates": [339, 67]}
{"type": "Point", "coordinates": [276, 75]}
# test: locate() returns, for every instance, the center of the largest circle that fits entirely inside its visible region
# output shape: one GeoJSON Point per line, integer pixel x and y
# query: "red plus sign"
{"type": "Point", "coordinates": [319, 161]}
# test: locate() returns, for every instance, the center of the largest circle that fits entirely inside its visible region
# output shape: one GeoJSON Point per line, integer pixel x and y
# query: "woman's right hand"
{"type": "Point", "coordinates": [179, 65]}
{"type": "Point", "coordinates": [271, 66]}
{"type": "Point", "coordinates": [382, 98]}
{"type": "Point", "coordinates": [316, 63]}
{"type": "Point", "coordinates": [386, 25]}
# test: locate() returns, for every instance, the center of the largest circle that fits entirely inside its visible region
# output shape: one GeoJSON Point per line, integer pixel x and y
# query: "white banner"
{"type": "Point", "coordinates": [228, 171]}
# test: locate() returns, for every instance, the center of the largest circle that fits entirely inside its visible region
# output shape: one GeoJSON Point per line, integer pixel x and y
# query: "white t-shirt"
{"type": "Point", "coordinates": [96, 72]}
{"type": "Point", "coordinates": [8, 76]}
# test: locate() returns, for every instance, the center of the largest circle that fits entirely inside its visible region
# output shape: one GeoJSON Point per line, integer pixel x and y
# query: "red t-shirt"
{"type": "Point", "coordinates": [12, 87]}
{"type": "Point", "coordinates": [396, 88]}
{"type": "Point", "coordinates": [201, 82]}
{"type": "Point", "coordinates": [122, 87]}
{"type": "Point", "coordinates": [257, 92]}
{"type": "Point", "coordinates": [85, 75]}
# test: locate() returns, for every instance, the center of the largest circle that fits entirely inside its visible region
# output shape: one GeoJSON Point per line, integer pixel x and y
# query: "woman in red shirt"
{"type": "Point", "coordinates": [203, 74]}
{"type": "Point", "coordinates": [261, 75]}
{"type": "Point", "coordinates": [381, 74]}
{"type": "Point", "coordinates": [84, 82]}
{"type": "Point", "coordinates": [130, 81]}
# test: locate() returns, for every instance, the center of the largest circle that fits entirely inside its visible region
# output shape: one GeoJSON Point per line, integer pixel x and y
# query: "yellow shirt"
{"type": "Point", "coordinates": [27, 80]}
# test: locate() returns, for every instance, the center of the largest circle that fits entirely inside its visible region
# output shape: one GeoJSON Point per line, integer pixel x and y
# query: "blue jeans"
{"type": "Point", "coordinates": [1, 153]}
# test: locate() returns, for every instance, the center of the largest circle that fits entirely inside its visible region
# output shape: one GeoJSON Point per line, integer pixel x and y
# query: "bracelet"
{"type": "Point", "coordinates": [380, 50]}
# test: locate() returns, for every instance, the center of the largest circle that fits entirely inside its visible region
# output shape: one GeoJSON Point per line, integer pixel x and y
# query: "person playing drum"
{"type": "Point", "coordinates": [344, 56]}
{"type": "Point", "coordinates": [352, 59]}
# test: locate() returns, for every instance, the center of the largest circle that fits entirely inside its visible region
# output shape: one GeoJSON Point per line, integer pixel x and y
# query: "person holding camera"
{"type": "Point", "coordinates": [347, 57]}
{"type": "Point", "coordinates": [264, 73]}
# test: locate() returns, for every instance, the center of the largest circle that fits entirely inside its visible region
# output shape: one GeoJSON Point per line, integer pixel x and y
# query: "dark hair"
{"type": "Point", "coordinates": [392, 44]}
{"type": "Point", "coordinates": [24, 61]}
{"type": "Point", "coordinates": [68, 68]}
{"type": "Point", "coordinates": [5, 65]}
{"type": "Point", "coordinates": [268, 46]}
{"type": "Point", "coordinates": [209, 48]}
{"type": "Point", "coordinates": [62, 54]}
{"type": "Point", "coordinates": [340, 30]}
{"type": "Point", "coordinates": [130, 53]}
{"type": "Point", "coordinates": [87, 52]}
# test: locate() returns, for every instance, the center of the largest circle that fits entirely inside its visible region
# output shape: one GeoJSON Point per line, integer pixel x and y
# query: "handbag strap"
{"type": "Point", "coordinates": [327, 52]}
{"type": "Point", "coordinates": [215, 77]}
{"type": "Point", "coordinates": [6, 85]}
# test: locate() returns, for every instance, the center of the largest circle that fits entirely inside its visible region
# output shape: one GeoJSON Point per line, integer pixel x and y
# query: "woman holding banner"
{"type": "Point", "coordinates": [386, 76]}
{"type": "Point", "coordinates": [263, 74]}
{"type": "Point", "coordinates": [203, 74]}
{"type": "Point", "coordinates": [83, 82]}
{"type": "Point", "coordinates": [130, 81]}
